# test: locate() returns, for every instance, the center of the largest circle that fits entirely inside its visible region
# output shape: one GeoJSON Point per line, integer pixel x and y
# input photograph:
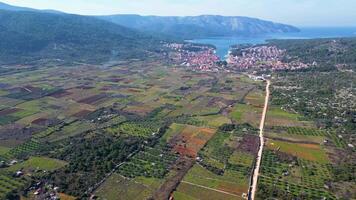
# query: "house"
{"type": "Point", "coordinates": [38, 191]}
{"type": "Point", "coordinates": [13, 162]}
{"type": "Point", "coordinates": [18, 173]}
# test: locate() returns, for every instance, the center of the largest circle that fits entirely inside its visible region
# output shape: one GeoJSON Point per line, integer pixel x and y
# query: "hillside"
{"type": "Point", "coordinates": [4, 6]}
{"type": "Point", "coordinates": [28, 36]}
{"type": "Point", "coordinates": [200, 26]}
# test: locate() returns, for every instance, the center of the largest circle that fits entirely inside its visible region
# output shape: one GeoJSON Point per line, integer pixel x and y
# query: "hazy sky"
{"type": "Point", "coordinates": [295, 12]}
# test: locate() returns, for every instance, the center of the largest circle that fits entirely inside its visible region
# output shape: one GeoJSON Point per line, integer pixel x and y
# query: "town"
{"type": "Point", "coordinates": [194, 56]}
{"type": "Point", "coordinates": [251, 58]}
{"type": "Point", "coordinates": [262, 58]}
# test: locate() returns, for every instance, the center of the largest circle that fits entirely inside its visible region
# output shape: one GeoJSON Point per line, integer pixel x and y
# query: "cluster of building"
{"type": "Point", "coordinates": [262, 58]}
{"type": "Point", "coordinates": [196, 57]}
{"type": "Point", "coordinates": [45, 191]}
{"type": "Point", "coordinates": [257, 58]}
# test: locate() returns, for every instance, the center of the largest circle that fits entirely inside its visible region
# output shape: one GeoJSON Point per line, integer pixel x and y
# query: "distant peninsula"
{"type": "Point", "coordinates": [203, 26]}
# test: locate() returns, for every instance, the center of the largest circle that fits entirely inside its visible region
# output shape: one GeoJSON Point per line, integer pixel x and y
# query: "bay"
{"type": "Point", "coordinates": [223, 44]}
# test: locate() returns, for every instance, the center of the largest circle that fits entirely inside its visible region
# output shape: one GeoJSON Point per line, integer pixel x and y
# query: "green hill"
{"type": "Point", "coordinates": [191, 27]}
{"type": "Point", "coordinates": [28, 36]}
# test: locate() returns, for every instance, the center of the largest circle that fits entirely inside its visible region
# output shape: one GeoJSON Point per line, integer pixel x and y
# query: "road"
{"type": "Point", "coordinates": [256, 171]}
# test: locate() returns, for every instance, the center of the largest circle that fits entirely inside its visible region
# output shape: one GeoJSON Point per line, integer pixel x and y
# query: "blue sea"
{"type": "Point", "coordinates": [223, 43]}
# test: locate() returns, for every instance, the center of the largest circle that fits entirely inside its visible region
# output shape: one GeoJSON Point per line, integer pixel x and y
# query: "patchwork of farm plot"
{"type": "Point", "coordinates": [296, 161]}
{"type": "Point", "coordinates": [51, 110]}
{"type": "Point", "coordinates": [223, 166]}
{"type": "Point", "coordinates": [154, 167]}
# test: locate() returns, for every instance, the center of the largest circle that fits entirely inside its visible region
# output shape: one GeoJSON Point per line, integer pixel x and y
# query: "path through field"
{"type": "Point", "coordinates": [208, 188]}
{"type": "Point", "coordinates": [253, 186]}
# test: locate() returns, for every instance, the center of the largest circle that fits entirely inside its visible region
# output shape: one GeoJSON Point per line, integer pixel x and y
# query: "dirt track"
{"type": "Point", "coordinates": [253, 186]}
{"type": "Point", "coordinates": [182, 167]}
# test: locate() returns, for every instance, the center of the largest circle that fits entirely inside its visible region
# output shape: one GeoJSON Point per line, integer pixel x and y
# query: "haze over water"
{"type": "Point", "coordinates": [223, 43]}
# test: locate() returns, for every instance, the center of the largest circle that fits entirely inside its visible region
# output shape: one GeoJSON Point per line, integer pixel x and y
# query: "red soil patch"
{"type": "Point", "coordinates": [191, 140]}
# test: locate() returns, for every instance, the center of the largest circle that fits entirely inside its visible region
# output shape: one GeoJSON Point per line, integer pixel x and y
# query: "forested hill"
{"type": "Point", "coordinates": [28, 36]}
{"type": "Point", "coordinates": [4, 6]}
{"type": "Point", "coordinates": [200, 26]}
{"type": "Point", "coordinates": [328, 53]}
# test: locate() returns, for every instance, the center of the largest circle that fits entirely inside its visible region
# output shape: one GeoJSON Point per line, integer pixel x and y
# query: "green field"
{"type": "Point", "coordinates": [38, 163]}
{"type": "Point", "coordinates": [117, 187]}
{"type": "Point", "coordinates": [244, 113]}
{"type": "Point", "coordinates": [310, 152]}
{"type": "Point", "coordinates": [199, 180]}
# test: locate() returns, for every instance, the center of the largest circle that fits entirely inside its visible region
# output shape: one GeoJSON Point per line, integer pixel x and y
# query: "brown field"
{"type": "Point", "coordinates": [11, 143]}
{"type": "Point", "coordinates": [60, 94]}
{"type": "Point", "coordinates": [63, 196]}
{"type": "Point", "coordinates": [82, 113]}
{"type": "Point", "coordinates": [93, 99]}
{"type": "Point", "coordinates": [250, 144]}
{"type": "Point", "coordinates": [141, 110]}
{"type": "Point", "coordinates": [76, 107]}
{"type": "Point", "coordinates": [191, 140]}
{"type": "Point", "coordinates": [9, 111]}
{"type": "Point", "coordinates": [80, 94]}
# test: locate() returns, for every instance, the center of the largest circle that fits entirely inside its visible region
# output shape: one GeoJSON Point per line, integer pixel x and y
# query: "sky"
{"type": "Point", "coordinates": [295, 12]}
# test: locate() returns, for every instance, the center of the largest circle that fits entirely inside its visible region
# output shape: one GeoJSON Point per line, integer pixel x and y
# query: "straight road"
{"type": "Point", "coordinates": [256, 171]}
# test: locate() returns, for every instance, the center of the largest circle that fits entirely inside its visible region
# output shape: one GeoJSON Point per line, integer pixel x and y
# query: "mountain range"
{"type": "Point", "coordinates": [30, 34]}
{"type": "Point", "coordinates": [36, 35]}
{"type": "Point", "coordinates": [4, 6]}
{"type": "Point", "coordinates": [192, 27]}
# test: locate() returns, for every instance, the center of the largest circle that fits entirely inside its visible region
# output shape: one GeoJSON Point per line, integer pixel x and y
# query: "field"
{"type": "Point", "coordinates": [200, 180]}
{"type": "Point", "coordinates": [9, 184]}
{"type": "Point", "coordinates": [118, 187]}
{"type": "Point", "coordinates": [141, 129]}
{"type": "Point", "coordinates": [223, 166]}
{"type": "Point", "coordinates": [298, 160]}
{"type": "Point", "coordinates": [312, 152]}
{"type": "Point", "coordinates": [302, 177]}
{"type": "Point", "coordinates": [37, 164]}
{"type": "Point", "coordinates": [278, 117]}
{"type": "Point", "coordinates": [187, 140]}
